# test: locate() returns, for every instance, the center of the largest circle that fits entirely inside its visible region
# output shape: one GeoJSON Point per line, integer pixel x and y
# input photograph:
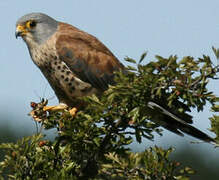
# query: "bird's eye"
{"type": "Point", "coordinates": [31, 24]}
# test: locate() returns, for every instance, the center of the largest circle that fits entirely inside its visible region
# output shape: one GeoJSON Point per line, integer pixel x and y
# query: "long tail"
{"type": "Point", "coordinates": [175, 124]}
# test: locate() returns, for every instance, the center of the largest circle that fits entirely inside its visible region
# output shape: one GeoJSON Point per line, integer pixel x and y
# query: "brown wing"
{"type": "Point", "coordinates": [86, 56]}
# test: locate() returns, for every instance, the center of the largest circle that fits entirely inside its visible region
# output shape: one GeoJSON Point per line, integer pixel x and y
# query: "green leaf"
{"type": "Point", "coordinates": [130, 60]}
{"type": "Point", "coordinates": [216, 52]}
{"type": "Point", "coordinates": [142, 57]}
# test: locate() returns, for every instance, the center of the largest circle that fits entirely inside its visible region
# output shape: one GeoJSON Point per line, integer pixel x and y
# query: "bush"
{"type": "Point", "coordinates": [94, 143]}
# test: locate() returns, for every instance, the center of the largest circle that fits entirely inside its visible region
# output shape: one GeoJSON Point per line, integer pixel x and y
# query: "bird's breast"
{"type": "Point", "coordinates": [59, 75]}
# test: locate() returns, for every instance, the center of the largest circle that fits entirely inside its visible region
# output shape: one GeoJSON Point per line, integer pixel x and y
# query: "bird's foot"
{"type": "Point", "coordinates": [73, 111]}
{"type": "Point", "coordinates": [60, 107]}
{"type": "Point", "coordinates": [40, 110]}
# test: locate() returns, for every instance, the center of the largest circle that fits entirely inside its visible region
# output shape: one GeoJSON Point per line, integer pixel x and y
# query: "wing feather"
{"type": "Point", "coordinates": [86, 56]}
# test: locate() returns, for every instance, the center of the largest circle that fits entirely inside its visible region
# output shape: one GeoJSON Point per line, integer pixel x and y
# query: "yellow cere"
{"type": "Point", "coordinates": [21, 28]}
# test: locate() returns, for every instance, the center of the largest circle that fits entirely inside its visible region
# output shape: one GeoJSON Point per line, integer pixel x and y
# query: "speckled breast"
{"type": "Point", "coordinates": [61, 78]}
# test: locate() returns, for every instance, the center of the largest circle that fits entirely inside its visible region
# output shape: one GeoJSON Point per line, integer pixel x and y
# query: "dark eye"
{"type": "Point", "coordinates": [32, 23]}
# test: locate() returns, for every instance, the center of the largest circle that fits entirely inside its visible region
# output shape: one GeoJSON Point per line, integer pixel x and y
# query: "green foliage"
{"type": "Point", "coordinates": [151, 164]}
{"type": "Point", "coordinates": [215, 120]}
{"type": "Point", "coordinates": [94, 143]}
{"type": "Point", "coordinates": [216, 52]}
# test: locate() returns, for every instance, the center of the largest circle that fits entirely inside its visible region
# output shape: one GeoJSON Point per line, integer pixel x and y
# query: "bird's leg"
{"type": "Point", "coordinates": [59, 107]}
{"type": "Point", "coordinates": [39, 110]}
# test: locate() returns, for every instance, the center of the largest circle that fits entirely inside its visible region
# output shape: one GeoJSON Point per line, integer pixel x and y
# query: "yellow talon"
{"type": "Point", "coordinates": [55, 108]}
{"type": "Point", "coordinates": [73, 111]}
{"type": "Point", "coordinates": [39, 110]}
{"type": "Point", "coordinates": [59, 108]}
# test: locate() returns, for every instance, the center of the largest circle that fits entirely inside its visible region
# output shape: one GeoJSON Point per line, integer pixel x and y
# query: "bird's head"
{"type": "Point", "coordinates": [35, 27]}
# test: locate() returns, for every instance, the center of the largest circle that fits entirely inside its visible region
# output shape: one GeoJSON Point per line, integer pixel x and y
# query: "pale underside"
{"type": "Point", "coordinates": [64, 82]}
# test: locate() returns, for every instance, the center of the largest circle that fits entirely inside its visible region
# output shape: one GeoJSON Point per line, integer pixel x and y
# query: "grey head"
{"type": "Point", "coordinates": [35, 27]}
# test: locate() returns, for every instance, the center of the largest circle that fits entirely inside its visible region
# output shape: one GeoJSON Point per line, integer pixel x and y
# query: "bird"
{"type": "Point", "coordinates": [77, 64]}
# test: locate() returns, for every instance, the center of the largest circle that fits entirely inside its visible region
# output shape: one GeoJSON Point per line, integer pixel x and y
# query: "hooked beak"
{"type": "Point", "coordinates": [17, 33]}
{"type": "Point", "coordinates": [20, 31]}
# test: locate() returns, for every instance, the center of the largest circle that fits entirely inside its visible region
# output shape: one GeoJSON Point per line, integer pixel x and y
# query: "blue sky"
{"type": "Point", "coordinates": [126, 27]}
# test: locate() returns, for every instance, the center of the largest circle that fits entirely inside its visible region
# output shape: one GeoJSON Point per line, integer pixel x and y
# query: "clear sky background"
{"type": "Point", "coordinates": [127, 28]}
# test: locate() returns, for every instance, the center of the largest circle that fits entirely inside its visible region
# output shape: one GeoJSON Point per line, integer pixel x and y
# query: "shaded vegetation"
{"type": "Point", "coordinates": [94, 143]}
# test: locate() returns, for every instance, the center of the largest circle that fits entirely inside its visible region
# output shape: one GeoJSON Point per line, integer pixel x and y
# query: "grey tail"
{"type": "Point", "coordinates": [175, 124]}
